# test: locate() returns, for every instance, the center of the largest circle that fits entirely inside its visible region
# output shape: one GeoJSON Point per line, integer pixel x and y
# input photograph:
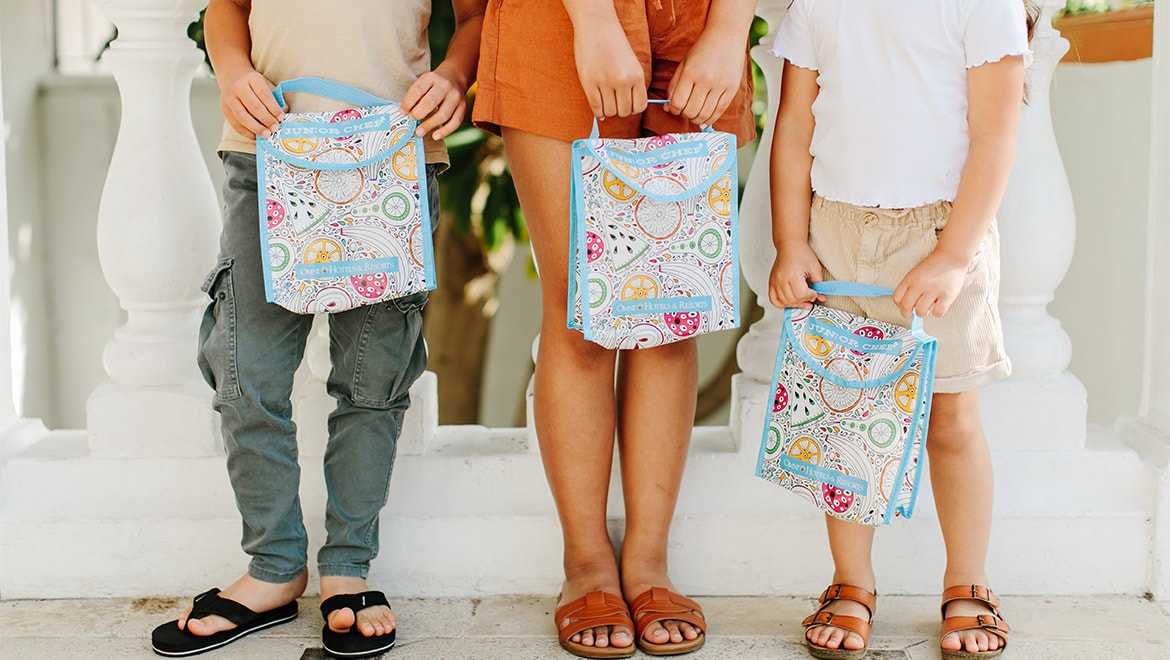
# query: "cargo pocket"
{"type": "Point", "coordinates": [217, 334]}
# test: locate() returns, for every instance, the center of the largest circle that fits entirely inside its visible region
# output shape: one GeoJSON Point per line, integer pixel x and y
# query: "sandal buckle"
{"type": "Point", "coordinates": [986, 621]}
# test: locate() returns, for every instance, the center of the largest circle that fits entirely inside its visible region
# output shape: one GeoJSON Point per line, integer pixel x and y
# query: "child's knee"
{"type": "Point", "coordinates": [954, 421]}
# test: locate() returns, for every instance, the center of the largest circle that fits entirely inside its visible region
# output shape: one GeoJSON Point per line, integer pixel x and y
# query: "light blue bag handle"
{"type": "Point", "coordinates": [858, 290]}
{"type": "Point", "coordinates": [603, 153]}
{"type": "Point", "coordinates": [328, 89]}
{"type": "Point", "coordinates": [596, 134]}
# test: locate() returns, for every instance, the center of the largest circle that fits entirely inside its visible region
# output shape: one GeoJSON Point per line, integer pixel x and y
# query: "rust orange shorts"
{"type": "Point", "coordinates": [528, 80]}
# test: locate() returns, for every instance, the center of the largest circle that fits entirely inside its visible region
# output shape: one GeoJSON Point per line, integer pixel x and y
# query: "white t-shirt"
{"type": "Point", "coordinates": [891, 114]}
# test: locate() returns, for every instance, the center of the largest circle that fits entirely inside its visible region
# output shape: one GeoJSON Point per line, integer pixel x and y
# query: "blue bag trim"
{"type": "Point", "coordinates": [922, 426]}
{"type": "Point", "coordinates": [578, 255]}
{"type": "Point", "coordinates": [769, 403]}
{"type": "Point", "coordinates": [790, 335]}
{"type": "Point", "coordinates": [425, 224]}
{"type": "Point", "coordinates": [262, 214]}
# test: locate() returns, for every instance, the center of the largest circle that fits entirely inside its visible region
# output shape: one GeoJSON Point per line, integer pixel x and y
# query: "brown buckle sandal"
{"type": "Point", "coordinates": [594, 610]}
{"type": "Point", "coordinates": [660, 604]}
{"type": "Point", "coordinates": [992, 623]}
{"type": "Point", "coordinates": [852, 624]}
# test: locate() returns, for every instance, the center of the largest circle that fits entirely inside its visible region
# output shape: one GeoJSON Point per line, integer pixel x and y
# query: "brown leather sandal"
{"type": "Point", "coordinates": [852, 624]}
{"type": "Point", "coordinates": [661, 604]}
{"type": "Point", "coordinates": [992, 622]}
{"type": "Point", "coordinates": [593, 610]}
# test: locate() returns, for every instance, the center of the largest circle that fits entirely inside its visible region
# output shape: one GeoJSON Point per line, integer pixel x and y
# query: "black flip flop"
{"type": "Point", "coordinates": [352, 643]}
{"type": "Point", "coordinates": [172, 641]}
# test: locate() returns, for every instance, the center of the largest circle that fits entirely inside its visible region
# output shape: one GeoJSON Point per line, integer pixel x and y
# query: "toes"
{"type": "Point", "coordinates": [688, 631]}
{"type": "Point", "coordinates": [835, 638]}
{"type": "Point", "coordinates": [341, 620]}
{"type": "Point", "coordinates": [951, 642]}
{"type": "Point", "coordinates": [853, 642]}
{"type": "Point", "coordinates": [183, 617]}
{"type": "Point", "coordinates": [656, 634]}
{"type": "Point", "coordinates": [601, 637]}
{"type": "Point", "coordinates": [672, 629]}
{"type": "Point", "coordinates": [621, 636]}
{"type": "Point", "coordinates": [587, 637]}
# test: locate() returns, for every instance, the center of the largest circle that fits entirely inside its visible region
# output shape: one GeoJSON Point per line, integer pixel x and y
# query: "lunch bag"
{"type": "Point", "coordinates": [343, 204]}
{"type": "Point", "coordinates": [653, 251]}
{"type": "Point", "coordinates": [850, 410]}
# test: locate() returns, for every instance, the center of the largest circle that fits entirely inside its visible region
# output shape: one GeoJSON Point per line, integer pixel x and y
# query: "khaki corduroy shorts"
{"type": "Point", "coordinates": [879, 246]}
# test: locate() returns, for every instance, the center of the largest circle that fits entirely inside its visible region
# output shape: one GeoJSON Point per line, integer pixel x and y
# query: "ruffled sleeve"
{"type": "Point", "coordinates": [794, 40]}
{"type": "Point", "coordinates": [993, 30]}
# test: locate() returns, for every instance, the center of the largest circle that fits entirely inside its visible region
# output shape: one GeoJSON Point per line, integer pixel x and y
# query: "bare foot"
{"type": "Point", "coordinates": [256, 595]}
{"type": "Point", "coordinates": [373, 621]}
{"type": "Point", "coordinates": [975, 640]}
{"type": "Point", "coordinates": [639, 576]}
{"type": "Point", "coordinates": [587, 580]}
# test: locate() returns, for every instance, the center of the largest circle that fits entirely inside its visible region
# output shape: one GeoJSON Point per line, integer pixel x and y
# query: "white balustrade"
{"type": "Point", "coordinates": [157, 228]}
{"type": "Point", "coordinates": [1036, 223]}
{"type": "Point", "coordinates": [758, 346]}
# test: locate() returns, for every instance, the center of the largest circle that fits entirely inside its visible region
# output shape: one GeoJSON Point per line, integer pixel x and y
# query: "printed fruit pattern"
{"type": "Point", "coordinates": [781, 398]}
{"type": "Point", "coordinates": [869, 332]}
{"type": "Point", "coordinates": [370, 286]}
{"type": "Point", "coordinates": [838, 499]}
{"type": "Point", "coordinates": [682, 324]}
{"type": "Point", "coordinates": [275, 213]}
{"type": "Point", "coordinates": [594, 247]}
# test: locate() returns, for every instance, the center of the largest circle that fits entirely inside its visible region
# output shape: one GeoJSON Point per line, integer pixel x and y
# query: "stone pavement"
{"type": "Point", "coordinates": [520, 627]}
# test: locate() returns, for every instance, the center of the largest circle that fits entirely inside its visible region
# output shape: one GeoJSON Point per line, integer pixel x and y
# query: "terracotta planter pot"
{"type": "Point", "coordinates": [1113, 36]}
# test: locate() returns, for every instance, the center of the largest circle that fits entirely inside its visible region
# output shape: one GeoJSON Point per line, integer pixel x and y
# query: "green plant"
{"type": "Point", "coordinates": [1073, 7]}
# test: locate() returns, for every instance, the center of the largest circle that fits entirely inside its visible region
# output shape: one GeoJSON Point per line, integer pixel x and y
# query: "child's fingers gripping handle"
{"type": "Point", "coordinates": [858, 290]}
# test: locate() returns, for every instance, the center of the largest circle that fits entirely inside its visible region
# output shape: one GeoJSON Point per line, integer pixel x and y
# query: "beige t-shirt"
{"type": "Point", "coordinates": [377, 46]}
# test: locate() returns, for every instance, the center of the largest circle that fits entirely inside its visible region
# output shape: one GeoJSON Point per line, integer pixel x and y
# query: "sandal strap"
{"type": "Point", "coordinates": [593, 610]}
{"type": "Point", "coordinates": [850, 623]}
{"type": "Point", "coordinates": [354, 602]}
{"type": "Point", "coordinates": [659, 604]}
{"type": "Point", "coordinates": [853, 624]}
{"type": "Point", "coordinates": [989, 622]}
{"type": "Point", "coordinates": [976, 592]}
{"type": "Point", "coordinates": [867, 599]}
{"type": "Point", "coordinates": [211, 603]}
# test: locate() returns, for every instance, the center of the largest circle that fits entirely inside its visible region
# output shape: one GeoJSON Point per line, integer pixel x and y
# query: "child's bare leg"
{"type": "Point", "coordinates": [851, 545]}
{"type": "Point", "coordinates": [256, 595]}
{"type": "Point", "coordinates": [656, 402]}
{"type": "Point", "coordinates": [961, 476]}
{"type": "Point", "coordinates": [574, 385]}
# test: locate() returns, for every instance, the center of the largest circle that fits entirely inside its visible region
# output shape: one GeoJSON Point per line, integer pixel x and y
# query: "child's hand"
{"type": "Point", "coordinates": [931, 287]}
{"type": "Point", "coordinates": [707, 79]}
{"type": "Point", "coordinates": [795, 269]}
{"type": "Point", "coordinates": [437, 102]}
{"type": "Point", "coordinates": [610, 73]}
{"type": "Point", "coordinates": [247, 103]}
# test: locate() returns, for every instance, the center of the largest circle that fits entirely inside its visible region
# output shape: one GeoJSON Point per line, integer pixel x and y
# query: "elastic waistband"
{"type": "Point", "coordinates": [927, 213]}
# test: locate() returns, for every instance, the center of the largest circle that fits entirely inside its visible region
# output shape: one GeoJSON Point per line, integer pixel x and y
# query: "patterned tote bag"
{"type": "Point", "coordinates": [653, 252]}
{"type": "Point", "coordinates": [343, 204]}
{"type": "Point", "coordinates": [852, 403]}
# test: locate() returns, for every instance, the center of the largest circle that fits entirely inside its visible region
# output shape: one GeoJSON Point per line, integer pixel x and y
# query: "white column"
{"type": "Point", "coordinates": [1036, 222]}
{"type": "Point", "coordinates": [757, 350]}
{"type": "Point", "coordinates": [1149, 433]}
{"type": "Point", "coordinates": [157, 227]}
{"type": "Point", "coordinates": [15, 433]}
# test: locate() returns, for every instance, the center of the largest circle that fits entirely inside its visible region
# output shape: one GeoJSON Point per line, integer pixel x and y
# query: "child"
{"type": "Point", "coordinates": [548, 69]}
{"type": "Point", "coordinates": [249, 349]}
{"type": "Point", "coordinates": [893, 144]}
